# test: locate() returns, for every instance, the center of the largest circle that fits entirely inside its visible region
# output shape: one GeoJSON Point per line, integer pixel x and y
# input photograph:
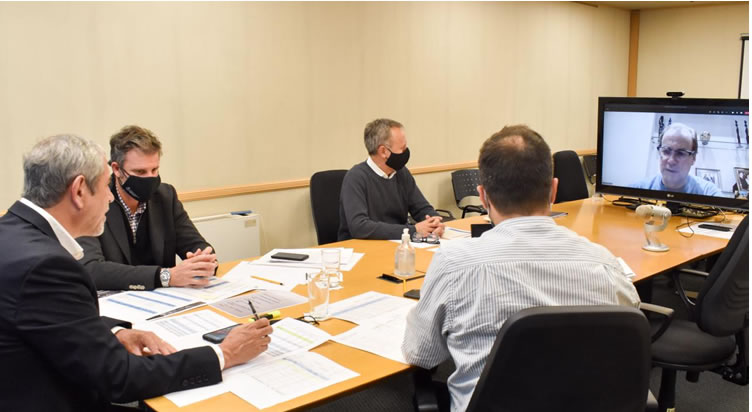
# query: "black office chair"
{"type": "Point", "coordinates": [568, 169]}
{"type": "Point", "coordinates": [715, 331]}
{"type": "Point", "coordinates": [465, 184]}
{"type": "Point", "coordinates": [567, 358]}
{"type": "Point", "coordinates": [325, 188]}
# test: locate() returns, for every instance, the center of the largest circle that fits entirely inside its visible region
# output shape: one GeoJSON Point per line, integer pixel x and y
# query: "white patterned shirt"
{"type": "Point", "coordinates": [474, 285]}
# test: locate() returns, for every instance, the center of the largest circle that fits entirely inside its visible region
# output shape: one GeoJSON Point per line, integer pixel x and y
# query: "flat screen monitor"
{"type": "Point", "coordinates": [691, 151]}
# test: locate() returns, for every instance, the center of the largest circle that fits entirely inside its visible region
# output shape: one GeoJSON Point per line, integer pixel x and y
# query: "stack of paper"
{"type": "Point", "coordinates": [291, 339]}
{"type": "Point", "coordinates": [136, 306]}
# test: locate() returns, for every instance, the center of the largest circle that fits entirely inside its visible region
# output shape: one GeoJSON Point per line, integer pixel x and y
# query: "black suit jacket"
{"type": "Point", "coordinates": [171, 233]}
{"type": "Point", "coordinates": [56, 353]}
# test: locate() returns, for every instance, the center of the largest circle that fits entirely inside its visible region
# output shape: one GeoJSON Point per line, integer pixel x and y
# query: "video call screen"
{"type": "Point", "coordinates": [651, 148]}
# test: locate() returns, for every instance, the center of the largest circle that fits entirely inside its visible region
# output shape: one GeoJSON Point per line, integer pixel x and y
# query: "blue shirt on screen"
{"type": "Point", "coordinates": [693, 186]}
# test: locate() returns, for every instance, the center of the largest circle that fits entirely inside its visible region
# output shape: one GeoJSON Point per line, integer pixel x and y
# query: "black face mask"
{"type": "Point", "coordinates": [140, 188]}
{"type": "Point", "coordinates": [398, 160]}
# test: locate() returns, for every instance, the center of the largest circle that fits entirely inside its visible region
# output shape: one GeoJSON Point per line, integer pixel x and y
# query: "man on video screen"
{"type": "Point", "coordinates": [677, 153]}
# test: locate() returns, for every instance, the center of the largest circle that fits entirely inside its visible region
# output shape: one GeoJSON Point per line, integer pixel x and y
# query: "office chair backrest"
{"type": "Point", "coordinates": [325, 189]}
{"type": "Point", "coordinates": [567, 358]}
{"type": "Point", "coordinates": [723, 301]}
{"type": "Point", "coordinates": [465, 183]}
{"type": "Point", "coordinates": [568, 169]}
{"type": "Point", "coordinates": [590, 164]}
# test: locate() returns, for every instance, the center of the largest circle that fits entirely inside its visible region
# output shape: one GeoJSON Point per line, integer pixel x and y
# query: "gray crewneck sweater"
{"type": "Point", "coordinates": [372, 207]}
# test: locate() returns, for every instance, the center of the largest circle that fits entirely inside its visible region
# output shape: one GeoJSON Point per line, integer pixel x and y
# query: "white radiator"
{"type": "Point", "coordinates": [234, 236]}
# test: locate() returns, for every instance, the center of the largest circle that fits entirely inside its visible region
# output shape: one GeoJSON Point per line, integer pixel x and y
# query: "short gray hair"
{"type": "Point", "coordinates": [377, 133]}
{"type": "Point", "coordinates": [53, 163]}
{"type": "Point", "coordinates": [681, 129]}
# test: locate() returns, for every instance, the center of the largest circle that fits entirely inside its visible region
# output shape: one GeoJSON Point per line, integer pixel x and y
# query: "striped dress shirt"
{"type": "Point", "coordinates": [474, 285]}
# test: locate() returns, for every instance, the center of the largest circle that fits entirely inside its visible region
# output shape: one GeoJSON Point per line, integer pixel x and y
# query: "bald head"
{"type": "Point", "coordinates": [516, 170]}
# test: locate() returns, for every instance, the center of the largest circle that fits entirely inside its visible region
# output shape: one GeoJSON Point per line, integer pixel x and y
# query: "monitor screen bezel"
{"type": "Point", "coordinates": [660, 105]}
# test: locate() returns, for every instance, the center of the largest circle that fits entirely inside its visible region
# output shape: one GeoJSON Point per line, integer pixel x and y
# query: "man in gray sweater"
{"type": "Point", "coordinates": [378, 194]}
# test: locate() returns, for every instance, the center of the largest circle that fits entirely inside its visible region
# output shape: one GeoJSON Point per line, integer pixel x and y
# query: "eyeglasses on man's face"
{"type": "Point", "coordinates": [679, 154]}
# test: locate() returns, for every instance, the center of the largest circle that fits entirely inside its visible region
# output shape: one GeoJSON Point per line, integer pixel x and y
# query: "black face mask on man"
{"type": "Point", "coordinates": [398, 160]}
{"type": "Point", "coordinates": [140, 188]}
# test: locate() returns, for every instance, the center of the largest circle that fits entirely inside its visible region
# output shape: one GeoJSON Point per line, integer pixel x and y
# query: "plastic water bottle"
{"type": "Point", "coordinates": [404, 257]}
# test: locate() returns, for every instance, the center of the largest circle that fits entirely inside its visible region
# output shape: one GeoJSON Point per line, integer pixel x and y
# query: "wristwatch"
{"type": "Point", "coordinates": [164, 277]}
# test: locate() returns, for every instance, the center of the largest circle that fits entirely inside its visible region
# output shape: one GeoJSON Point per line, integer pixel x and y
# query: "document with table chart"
{"type": "Point", "coordinates": [381, 335]}
{"type": "Point", "coordinates": [361, 308]}
{"type": "Point", "coordinates": [141, 305]}
{"type": "Point", "coordinates": [290, 336]}
{"type": "Point", "coordinates": [263, 301]}
{"type": "Point", "coordinates": [280, 380]}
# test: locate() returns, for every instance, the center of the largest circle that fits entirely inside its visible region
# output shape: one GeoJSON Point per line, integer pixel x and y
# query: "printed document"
{"type": "Point", "coordinates": [270, 276]}
{"type": "Point", "coordinates": [359, 309]}
{"type": "Point", "coordinates": [263, 301]}
{"type": "Point", "coordinates": [138, 306]}
{"type": "Point", "coordinates": [280, 380]}
{"type": "Point", "coordinates": [382, 335]}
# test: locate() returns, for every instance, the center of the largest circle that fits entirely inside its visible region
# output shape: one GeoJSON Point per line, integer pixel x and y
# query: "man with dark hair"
{"type": "Point", "coordinates": [526, 260]}
{"type": "Point", "coordinates": [146, 225]}
{"type": "Point", "coordinates": [378, 194]}
{"type": "Point", "coordinates": [56, 352]}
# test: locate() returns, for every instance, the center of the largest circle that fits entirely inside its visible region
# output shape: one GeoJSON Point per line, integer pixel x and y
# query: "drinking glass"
{"type": "Point", "coordinates": [330, 259]}
{"type": "Point", "coordinates": [318, 294]}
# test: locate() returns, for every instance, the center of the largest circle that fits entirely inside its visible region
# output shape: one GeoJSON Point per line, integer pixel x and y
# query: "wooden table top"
{"type": "Point", "coordinates": [618, 229]}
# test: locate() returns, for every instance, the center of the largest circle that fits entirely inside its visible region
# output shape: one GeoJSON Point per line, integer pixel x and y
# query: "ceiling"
{"type": "Point", "coordinates": [641, 5]}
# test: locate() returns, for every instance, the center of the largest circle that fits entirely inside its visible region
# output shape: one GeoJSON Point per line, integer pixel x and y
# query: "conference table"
{"type": "Point", "coordinates": [618, 229]}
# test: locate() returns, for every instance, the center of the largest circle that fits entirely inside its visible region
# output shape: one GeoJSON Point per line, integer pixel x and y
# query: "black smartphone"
{"type": "Point", "coordinates": [298, 257]}
{"type": "Point", "coordinates": [412, 294]}
{"type": "Point", "coordinates": [715, 227]}
{"type": "Point", "coordinates": [218, 335]}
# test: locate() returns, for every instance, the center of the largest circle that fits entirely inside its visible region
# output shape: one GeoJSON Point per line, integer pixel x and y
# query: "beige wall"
{"type": "Point", "coordinates": [255, 92]}
{"type": "Point", "coordinates": [695, 50]}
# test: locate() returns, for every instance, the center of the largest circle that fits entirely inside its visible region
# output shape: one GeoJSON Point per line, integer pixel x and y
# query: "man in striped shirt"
{"type": "Point", "coordinates": [526, 260]}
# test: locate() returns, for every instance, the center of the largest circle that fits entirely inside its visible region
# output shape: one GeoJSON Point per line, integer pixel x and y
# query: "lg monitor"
{"type": "Point", "coordinates": [689, 151]}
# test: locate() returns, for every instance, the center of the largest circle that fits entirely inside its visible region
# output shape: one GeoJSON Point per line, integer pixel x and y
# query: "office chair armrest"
{"type": "Point", "coordinates": [666, 313]}
{"type": "Point", "coordinates": [688, 303]}
{"type": "Point", "coordinates": [447, 215]}
{"type": "Point", "coordinates": [424, 398]}
{"type": "Point", "coordinates": [475, 209]}
{"type": "Point", "coordinates": [694, 272]}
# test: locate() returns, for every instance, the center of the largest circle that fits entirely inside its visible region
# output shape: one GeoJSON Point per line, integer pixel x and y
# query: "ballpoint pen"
{"type": "Point", "coordinates": [255, 315]}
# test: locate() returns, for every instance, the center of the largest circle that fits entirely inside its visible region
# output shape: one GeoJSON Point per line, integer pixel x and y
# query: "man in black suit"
{"type": "Point", "coordinates": [56, 352]}
{"type": "Point", "coordinates": [146, 225]}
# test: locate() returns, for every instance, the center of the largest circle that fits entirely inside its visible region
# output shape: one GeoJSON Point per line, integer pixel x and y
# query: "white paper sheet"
{"type": "Point", "coordinates": [138, 306]}
{"type": "Point", "coordinates": [710, 232]}
{"type": "Point", "coordinates": [348, 258]}
{"type": "Point", "coordinates": [361, 308]}
{"type": "Point", "coordinates": [453, 233]}
{"type": "Point", "coordinates": [290, 336]}
{"type": "Point", "coordinates": [289, 277]}
{"type": "Point", "coordinates": [216, 290]}
{"type": "Point", "coordinates": [190, 396]}
{"type": "Point", "coordinates": [382, 335]}
{"type": "Point", "coordinates": [263, 301]}
{"type": "Point", "coordinates": [280, 380]}
{"type": "Point", "coordinates": [186, 331]}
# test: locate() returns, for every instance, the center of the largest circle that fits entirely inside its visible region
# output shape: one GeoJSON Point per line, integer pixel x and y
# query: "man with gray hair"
{"type": "Point", "coordinates": [147, 226]}
{"type": "Point", "coordinates": [378, 194]}
{"type": "Point", "coordinates": [678, 152]}
{"type": "Point", "coordinates": [57, 352]}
